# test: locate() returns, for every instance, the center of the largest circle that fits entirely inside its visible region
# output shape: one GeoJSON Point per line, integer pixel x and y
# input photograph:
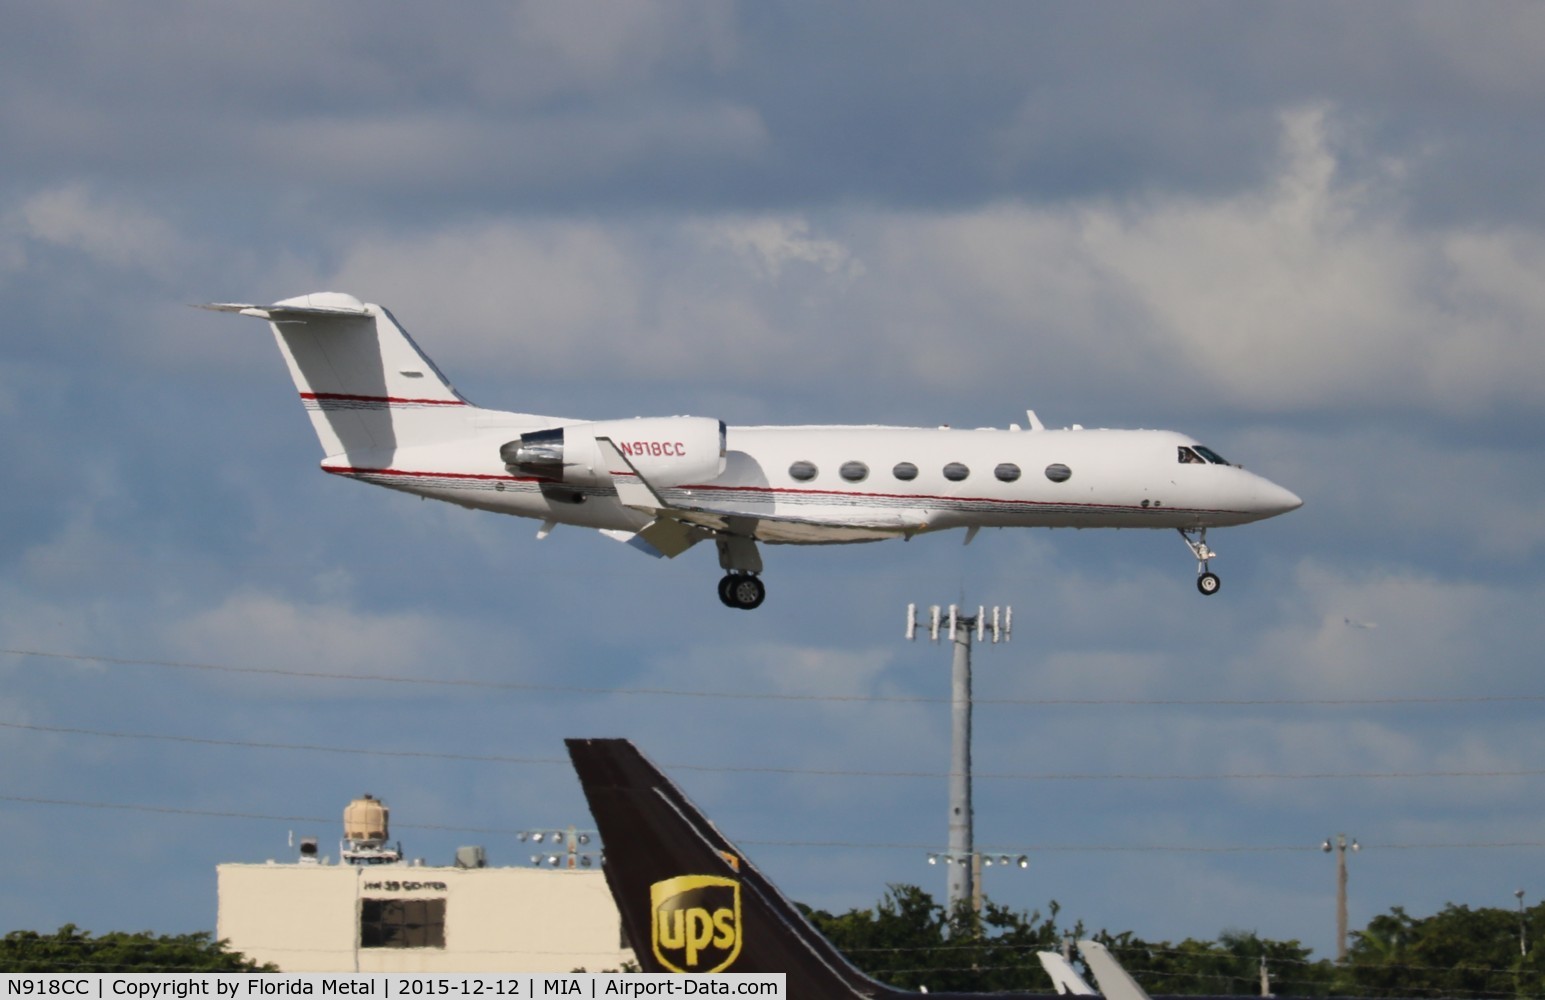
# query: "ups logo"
{"type": "Point", "coordinates": [695, 922]}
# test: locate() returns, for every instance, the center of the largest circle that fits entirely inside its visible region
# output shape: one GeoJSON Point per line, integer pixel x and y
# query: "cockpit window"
{"type": "Point", "coordinates": [1198, 455]}
{"type": "Point", "coordinates": [1211, 456]}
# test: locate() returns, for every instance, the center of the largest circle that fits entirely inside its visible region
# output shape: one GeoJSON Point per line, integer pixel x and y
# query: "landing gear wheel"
{"type": "Point", "coordinates": [741, 590]}
{"type": "Point", "coordinates": [1208, 584]}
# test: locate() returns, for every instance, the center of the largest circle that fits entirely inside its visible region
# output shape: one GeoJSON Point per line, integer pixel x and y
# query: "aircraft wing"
{"type": "Point", "coordinates": [699, 521]}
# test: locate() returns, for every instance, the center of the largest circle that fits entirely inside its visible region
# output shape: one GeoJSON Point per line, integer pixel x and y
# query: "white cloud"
{"type": "Point", "coordinates": [113, 232]}
{"type": "Point", "coordinates": [769, 243]}
{"type": "Point", "coordinates": [1310, 291]}
{"type": "Point", "coordinates": [1436, 636]}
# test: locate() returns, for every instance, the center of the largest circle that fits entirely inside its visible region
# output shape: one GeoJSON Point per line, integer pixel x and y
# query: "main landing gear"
{"type": "Point", "coordinates": [1196, 540]}
{"type": "Point", "coordinates": [738, 557]}
{"type": "Point", "coordinates": [742, 590]}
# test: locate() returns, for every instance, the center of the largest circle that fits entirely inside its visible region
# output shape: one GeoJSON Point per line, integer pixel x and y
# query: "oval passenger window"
{"type": "Point", "coordinates": [803, 471]}
{"type": "Point", "coordinates": [854, 472]}
{"type": "Point", "coordinates": [1008, 472]}
{"type": "Point", "coordinates": [1058, 473]}
{"type": "Point", "coordinates": [955, 472]}
{"type": "Point", "coordinates": [905, 471]}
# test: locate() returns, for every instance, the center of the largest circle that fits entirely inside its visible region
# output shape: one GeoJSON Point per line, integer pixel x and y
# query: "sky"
{"type": "Point", "coordinates": [1309, 234]}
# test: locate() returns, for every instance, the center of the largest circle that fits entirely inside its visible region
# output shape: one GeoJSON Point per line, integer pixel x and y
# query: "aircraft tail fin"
{"type": "Point", "coordinates": [690, 901]}
{"type": "Point", "coordinates": [365, 383]}
{"type": "Point", "coordinates": [1114, 981]}
{"type": "Point", "coordinates": [1063, 976]}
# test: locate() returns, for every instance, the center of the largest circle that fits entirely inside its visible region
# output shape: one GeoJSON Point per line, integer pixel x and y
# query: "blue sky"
{"type": "Point", "coordinates": [1310, 234]}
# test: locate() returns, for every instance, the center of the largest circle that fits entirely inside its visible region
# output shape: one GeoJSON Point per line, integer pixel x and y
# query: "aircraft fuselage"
{"type": "Point", "coordinates": [876, 482]}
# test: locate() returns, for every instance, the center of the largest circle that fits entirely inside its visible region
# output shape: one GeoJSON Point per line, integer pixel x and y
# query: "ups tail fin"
{"type": "Point", "coordinates": [365, 383]}
{"type": "Point", "coordinates": [690, 901]}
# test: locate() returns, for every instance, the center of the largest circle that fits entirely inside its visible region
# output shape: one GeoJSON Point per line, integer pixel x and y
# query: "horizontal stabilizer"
{"type": "Point", "coordinates": [318, 305]}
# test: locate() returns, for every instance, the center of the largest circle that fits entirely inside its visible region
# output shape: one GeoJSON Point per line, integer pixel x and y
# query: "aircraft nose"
{"type": "Point", "coordinates": [1272, 499]}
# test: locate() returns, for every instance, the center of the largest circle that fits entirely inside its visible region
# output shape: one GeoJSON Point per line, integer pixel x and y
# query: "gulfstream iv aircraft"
{"type": "Point", "coordinates": [690, 902]}
{"type": "Point", "coordinates": [386, 415]}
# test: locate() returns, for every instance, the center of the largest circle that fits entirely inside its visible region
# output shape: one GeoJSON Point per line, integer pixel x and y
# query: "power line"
{"type": "Point", "coordinates": [778, 696]}
{"type": "Point", "coordinates": [794, 771]}
{"type": "Point", "coordinates": [838, 844]}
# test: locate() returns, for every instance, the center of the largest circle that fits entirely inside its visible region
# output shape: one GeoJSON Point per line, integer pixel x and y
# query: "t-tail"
{"type": "Point", "coordinates": [690, 901]}
{"type": "Point", "coordinates": [367, 386]}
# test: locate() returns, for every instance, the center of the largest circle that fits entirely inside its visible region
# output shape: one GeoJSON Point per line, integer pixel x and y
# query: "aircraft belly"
{"type": "Point", "coordinates": [593, 507]}
{"type": "Point", "coordinates": [798, 533]}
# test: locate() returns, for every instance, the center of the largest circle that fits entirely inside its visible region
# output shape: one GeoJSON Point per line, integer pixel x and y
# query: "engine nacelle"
{"type": "Point", "coordinates": [667, 451]}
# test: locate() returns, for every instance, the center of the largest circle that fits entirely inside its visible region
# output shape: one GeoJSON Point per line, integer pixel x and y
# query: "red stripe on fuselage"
{"type": "Point", "coordinates": [775, 491]}
{"type": "Point", "coordinates": [350, 398]}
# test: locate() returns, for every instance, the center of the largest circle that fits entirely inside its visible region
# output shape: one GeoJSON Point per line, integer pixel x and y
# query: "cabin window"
{"type": "Point", "coordinates": [1007, 472]}
{"type": "Point", "coordinates": [1058, 473]}
{"type": "Point", "coordinates": [955, 472]}
{"type": "Point", "coordinates": [803, 471]}
{"type": "Point", "coordinates": [854, 472]}
{"type": "Point", "coordinates": [905, 471]}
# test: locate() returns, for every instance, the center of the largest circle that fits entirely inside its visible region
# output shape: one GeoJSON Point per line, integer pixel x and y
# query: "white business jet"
{"type": "Point", "coordinates": [386, 415]}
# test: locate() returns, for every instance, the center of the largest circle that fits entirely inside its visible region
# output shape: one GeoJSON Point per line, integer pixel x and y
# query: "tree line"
{"type": "Point", "coordinates": [910, 940]}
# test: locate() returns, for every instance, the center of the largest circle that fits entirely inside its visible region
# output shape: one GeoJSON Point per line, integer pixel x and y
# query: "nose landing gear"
{"type": "Point", "coordinates": [1196, 540]}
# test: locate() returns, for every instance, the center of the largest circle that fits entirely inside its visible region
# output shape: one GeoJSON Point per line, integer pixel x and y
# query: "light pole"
{"type": "Point", "coordinates": [961, 860]}
{"type": "Point", "coordinates": [1340, 847]}
{"type": "Point", "coordinates": [564, 851]}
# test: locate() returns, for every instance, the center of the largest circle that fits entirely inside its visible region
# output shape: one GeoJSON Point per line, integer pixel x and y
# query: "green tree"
{"type": "Point", "coordinates": [1457, 951]}
{"type": "Point", "coordinates": [911, 941]}
{"type": "Point", "coordinates": [71, 950]}
{"type": "Point", "coordinates": [1229, 966]}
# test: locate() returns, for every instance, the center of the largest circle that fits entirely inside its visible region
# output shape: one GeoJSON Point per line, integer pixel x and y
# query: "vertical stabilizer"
{"type": "Point", "coordinates": [1113, 980]}
{"type": "Point", "coordinates": [1063, 976]}
{"type": "Point", "coordinates": [690, 901]}
{"type": "Point", "coordinates": [365, 383]}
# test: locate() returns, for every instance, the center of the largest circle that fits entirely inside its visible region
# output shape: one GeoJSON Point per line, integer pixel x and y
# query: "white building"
{"type": "Point", "coordinates": [374, 913]}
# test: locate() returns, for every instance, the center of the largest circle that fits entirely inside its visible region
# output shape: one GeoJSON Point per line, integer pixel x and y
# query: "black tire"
{"type": "Point", "coordinates": [1208, 584]}
{"type": "Point", "coordinates": [746, 592]}
{"type": "Point", "coordinates": [724, 591]}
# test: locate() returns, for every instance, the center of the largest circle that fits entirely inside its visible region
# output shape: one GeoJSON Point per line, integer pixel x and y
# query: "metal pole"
{"type": "Point", "coordinates": [962, 874]}
{"type": "Point", "coordinates": [1523, 948]}
{"type": "Point", "coordinates": [1340, 847]}
{"type": "Point", "coordinates": [1341, 898]}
